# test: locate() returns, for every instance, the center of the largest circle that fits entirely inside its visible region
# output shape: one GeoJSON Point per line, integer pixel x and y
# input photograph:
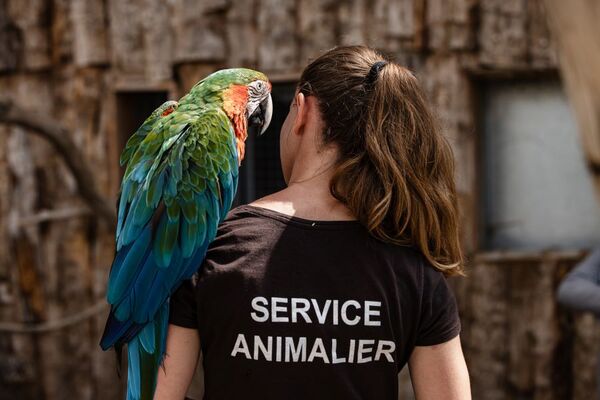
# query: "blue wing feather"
{"type": "Point", "coordinates": [126, 266]}
{"type": "Point", "coordinates": [133, 378]}
{"type": "Point", "coordinates": [148, 338]}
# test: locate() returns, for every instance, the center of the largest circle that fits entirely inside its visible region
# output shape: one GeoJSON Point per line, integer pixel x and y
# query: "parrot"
{"type": "Point", "coordinates": [181, 171]}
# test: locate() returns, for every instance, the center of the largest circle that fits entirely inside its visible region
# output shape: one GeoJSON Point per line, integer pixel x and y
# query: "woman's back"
{"type": "Point", "coordinates": [318, 291]}
{"type": "Point", "coordinates": [290, 308]}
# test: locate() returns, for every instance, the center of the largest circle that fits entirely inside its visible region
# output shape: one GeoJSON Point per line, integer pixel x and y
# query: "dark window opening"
{"type": "Point", "coordinates": [260, 173]}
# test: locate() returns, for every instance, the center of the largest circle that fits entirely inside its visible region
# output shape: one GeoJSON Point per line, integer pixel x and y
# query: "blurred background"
{"type": "Point", "coordinates": [514, 82]}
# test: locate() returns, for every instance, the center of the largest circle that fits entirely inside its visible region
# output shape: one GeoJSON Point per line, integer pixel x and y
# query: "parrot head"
{"type": "Point", "coordinates": [245, 96]}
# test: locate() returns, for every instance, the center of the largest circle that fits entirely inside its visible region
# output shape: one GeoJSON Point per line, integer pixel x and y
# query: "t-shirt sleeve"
{"type": "Point", "coordinates": [182, 306]}
{"type": "Point", "coordinates": [439, 319]}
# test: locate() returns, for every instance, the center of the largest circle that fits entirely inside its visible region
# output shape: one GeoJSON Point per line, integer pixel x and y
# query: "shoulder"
{"type": "Point", "coordinates": [242, 221]}
{"type": "Point", "coordinates": [242, 233]}
{"type": "Point", "coordinates": [403, 257]}
{"type": "Point", "coordinates": [409, 265]}
{"type": "Point", "coordinates": [244, 239]}
{"type": "Point", "coordinates": [430, 277]}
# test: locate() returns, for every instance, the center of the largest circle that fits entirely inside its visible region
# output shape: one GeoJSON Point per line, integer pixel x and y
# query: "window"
{"type": "Point", "coordinates": [536, 191]}
{"type": "Point", "coordinates": [133, 107]}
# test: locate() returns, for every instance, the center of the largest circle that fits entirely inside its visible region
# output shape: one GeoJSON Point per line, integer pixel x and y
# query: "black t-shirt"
{"type": "Point", "coordinates": [289, 308]}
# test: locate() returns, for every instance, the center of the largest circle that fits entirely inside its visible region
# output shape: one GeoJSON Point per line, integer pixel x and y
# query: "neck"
{"type": "Point", "coordinates": [308, 194]}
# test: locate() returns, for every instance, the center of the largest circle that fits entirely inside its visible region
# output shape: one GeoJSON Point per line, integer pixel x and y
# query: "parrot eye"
{"type": "Point", "coordinates": [257, 89]}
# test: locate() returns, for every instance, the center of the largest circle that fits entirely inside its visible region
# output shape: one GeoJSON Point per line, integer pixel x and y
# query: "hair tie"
{"type": "Point", "coordinates": [374, 72]}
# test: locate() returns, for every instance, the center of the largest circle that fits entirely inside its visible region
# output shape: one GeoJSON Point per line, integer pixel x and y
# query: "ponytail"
{"type": "Point", "coordinates": [396, 170]}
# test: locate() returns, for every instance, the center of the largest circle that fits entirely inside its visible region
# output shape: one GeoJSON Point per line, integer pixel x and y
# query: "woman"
{"type": "Point", "coordinates": [326, 289]}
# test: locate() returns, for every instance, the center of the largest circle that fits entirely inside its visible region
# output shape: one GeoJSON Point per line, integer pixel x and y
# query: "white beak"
{"type": "Point", "coordinates": [268, 115]}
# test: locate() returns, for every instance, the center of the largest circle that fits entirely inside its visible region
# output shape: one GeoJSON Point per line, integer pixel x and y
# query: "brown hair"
{"type": "Point", "coordinates": [396, 170]}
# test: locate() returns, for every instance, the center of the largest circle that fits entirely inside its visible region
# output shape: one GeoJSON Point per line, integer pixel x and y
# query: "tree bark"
{"type": "Point", "coordinates": [61, 140]}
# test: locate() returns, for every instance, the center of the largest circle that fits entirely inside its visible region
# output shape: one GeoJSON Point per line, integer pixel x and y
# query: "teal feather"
{"type": "Point", "coordinates": [214, 198]}
{"type": "Point", "coordinates": [189, 236]}
{"type": "Point", "coordinates": [140, 172]}
{"type": "Point", "coordinates": [144, 280]}
{"type": "Point", "coordinates": [142, 211]}
{"type": "Point", "coordinates": [138, 215]}
{"type": "Point", "coordinates": [173, 210]}
{"type": "Point", "coordinates": [175, 161]}
{"type": "Point", "coordinates": [124, 200]}
{"type": "Point", "coordinates": [189, 209]}
{"type": "Point", "coordinates": [187, 195]}
{"type": "Point", "coordinates": [123, 310]}
{"type": "Point", "coordinates": [123, 272]}
{"type": "Point", "coordinates": [227, 192]}
{"type": "Point", "coordinates": [155, 190]}
{"type": "Point", "coordinates": [166, 240]}
{"type": "Point", "coordinates": [153, 146]}
{"type": "Point", "coordinates": [133, 359]}
{"type": "Point", "coordinates": [150, 306]}
{"type": "Point", "coordinates": [148, 338]}
{"type": "Point", "coordinates": [171, 189]}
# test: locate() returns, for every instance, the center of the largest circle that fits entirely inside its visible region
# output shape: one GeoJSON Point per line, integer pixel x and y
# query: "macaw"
{"type": "Point", "coordinates": [180, 178]}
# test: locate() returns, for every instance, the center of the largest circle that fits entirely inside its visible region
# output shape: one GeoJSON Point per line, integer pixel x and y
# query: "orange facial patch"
{"type": "Point", "coordinates": [234, 103]}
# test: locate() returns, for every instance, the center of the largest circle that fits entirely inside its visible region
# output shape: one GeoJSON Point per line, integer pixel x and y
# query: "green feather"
{"type": "Point", "coordinates": [173, 211]}
{"type": "Point", "coordinates": [190, 210]}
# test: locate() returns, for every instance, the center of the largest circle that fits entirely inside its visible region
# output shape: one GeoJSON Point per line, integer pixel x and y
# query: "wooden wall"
{"type": "Point", "coordinates": [518, 342]}
{"type": "Point", "coordinates": [68, 59]}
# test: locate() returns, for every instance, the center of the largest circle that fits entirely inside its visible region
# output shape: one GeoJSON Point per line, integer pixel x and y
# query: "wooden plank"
{"type": "Point", "coordinates": [61, 33]}
{"type": "Point", "coordinates": [485, 327]}
{"type": "Point", "coordinates": [18, 374]}
{"type": "Point", "coordinates": [126, 37]}
{"type": "Point", "coordinates": [375, 21]}
{"type": "Point", "coordinates": [159, 41]}
{"type": "Point", "coordinates": [402, 23]}
{"type": "Point", "coordinates": [503, 33]}
{"type": "Point", "coordinates": [351, 22]}
{"type": "Point", "coordinates": [242, 38]}
{"type": "Point", "coordinates": [534, 334]}
{"type": "Point", "coordinates": [198, 30]}
{"type": "Point", "coordinates": [510, 257]}
{"type": "Point", "coordinates": [518, 342]}
{"type": "Point", "coordinates": [451, 24]}
{"type": "Point", "coordinates": [586, 349]}
{"type": "Point", "coordinates": [89, 33]}
{"type": "Point", "coordinates": [30, 18]}
{"type": "Point", "coordinates": [436, 24]}
{"type": "Point", "coordinates": [542, 49]}
{"type": "Point", "coordinates": [10, 45]}
{"type": "Point", "coordinates": [449, 91]}
{"type": "Point", "coordinates": [316, 27]}
{"type": "Point", "coordinates": [278, 47]}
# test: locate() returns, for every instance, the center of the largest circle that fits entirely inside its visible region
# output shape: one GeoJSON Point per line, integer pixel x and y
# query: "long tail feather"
{"type": "Point", "coordinates": [145, 358]}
